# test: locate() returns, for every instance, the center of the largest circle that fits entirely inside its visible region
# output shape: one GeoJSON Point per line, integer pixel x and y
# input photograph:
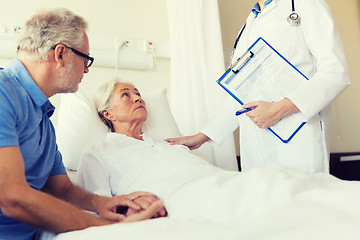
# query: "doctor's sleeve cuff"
{"type": "Point", "coordinates": [219, 128]}
{"type": "Point", "coordinates": [316, 101]}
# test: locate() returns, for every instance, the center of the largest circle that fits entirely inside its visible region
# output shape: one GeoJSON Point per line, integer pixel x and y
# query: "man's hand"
{"type": "Point", "coordinates": [145, 202]}
{"type": "Point", "coordinates": [266, 114]}
{"type": "Point", "coordinates": [142, 205]}
{"type": "Point", "coordinates": [151, 212]}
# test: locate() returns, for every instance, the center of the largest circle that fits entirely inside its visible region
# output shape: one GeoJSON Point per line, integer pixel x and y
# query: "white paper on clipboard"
{"type": "Point", "coordinates": [264, 74]}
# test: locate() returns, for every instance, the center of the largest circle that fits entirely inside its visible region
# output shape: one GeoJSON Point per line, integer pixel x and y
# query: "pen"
{"type": "Point", "coordinates": [244, 110]}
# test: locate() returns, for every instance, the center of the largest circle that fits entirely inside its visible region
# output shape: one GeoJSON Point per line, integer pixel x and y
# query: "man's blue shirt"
{"type": "Point", "coordinates": [25, 123]}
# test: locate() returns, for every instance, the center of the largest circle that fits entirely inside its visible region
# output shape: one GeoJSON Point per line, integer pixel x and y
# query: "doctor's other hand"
{"type": "Point", "coordinates": [192, 142]}
{"type": "Point", "coordinates": [266, 114]}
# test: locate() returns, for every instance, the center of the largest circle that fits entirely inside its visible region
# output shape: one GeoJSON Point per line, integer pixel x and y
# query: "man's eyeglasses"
{"type": "Point", "coordinates": [88, 61]}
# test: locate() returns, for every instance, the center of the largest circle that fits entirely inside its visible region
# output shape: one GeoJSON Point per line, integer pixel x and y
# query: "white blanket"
{"type": "Point", "coordinates": [209, 203]}
{"type": "Point", "coordinates": [261, 204]}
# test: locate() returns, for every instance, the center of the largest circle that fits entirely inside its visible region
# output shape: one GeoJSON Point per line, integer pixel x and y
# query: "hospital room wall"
{"type": "Point", "coordinates": [144, 19]}
{"type": "Point", "coordinates": [127, 19]}
{"type": "Point", "coordinates": [345, 129]}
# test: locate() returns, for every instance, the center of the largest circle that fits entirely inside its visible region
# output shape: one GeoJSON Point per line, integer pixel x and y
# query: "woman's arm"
{"type": "Point", "coordinates": [92, 176]}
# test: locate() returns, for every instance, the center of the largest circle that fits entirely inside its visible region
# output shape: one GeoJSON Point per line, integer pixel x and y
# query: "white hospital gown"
{"type": "Point", "coordinates": [106, 166]}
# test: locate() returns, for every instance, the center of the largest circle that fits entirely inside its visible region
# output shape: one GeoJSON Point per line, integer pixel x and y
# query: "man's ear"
{"type": "Point", "coordinates": [59, 52]}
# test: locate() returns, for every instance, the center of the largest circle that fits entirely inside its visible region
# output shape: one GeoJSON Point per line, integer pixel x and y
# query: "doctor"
{"type": "Point", "coordinates": [304, 32]}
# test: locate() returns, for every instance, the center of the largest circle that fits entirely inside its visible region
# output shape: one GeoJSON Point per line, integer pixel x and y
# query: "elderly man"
{"type": "Point", "coordinates": [35, 192]}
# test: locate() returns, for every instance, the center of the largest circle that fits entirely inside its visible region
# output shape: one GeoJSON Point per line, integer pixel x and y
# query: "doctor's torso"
{"type": "Point", "coordinates": [271, 24]}
{"type": "Point", "coordinates": [307, 150]}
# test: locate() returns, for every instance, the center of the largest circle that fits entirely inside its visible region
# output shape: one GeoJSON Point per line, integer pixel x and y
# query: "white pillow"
{"type": "Point", "coordinates": [79, 125]}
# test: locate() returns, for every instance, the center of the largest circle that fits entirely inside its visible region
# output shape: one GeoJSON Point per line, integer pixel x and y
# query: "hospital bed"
{"type": "Point", "coordinates": [320, 207]}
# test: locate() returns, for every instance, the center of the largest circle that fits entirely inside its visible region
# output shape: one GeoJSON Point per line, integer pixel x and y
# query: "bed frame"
{"type": "Point", "coordinates": [346, 170]}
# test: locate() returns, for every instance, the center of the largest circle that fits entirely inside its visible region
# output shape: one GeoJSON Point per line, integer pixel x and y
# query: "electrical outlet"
{"type": "Point", "coordinates": [16, 30]}
{"type": "Point", "coordinates": [5, 31]}
{"type": "Point", "coordinates": [126, 45]}
{"type": "Point", "coordinates": [122, 44]}
{"type": "Point", "coordinates": [149, 46]}
{"type": "Point", "coordinates": [8, 31]}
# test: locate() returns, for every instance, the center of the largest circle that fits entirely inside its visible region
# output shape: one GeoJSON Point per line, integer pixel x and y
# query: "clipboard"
{"type": "Point", "coordinates": [262, 73]}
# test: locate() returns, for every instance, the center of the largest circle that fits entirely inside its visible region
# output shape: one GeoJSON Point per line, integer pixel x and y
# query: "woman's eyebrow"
{"type": "Point", "coordinates": [127, 89]}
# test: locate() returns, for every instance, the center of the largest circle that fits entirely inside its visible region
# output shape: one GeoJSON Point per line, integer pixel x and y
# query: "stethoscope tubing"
{"type": "Point", "coordinates": [291, 21]}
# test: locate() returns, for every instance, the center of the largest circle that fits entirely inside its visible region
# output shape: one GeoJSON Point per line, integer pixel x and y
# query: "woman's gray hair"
{"type": "Point", "coordinates": [103, 100]}
{"type": "Point", "coordinates": [47, 29]}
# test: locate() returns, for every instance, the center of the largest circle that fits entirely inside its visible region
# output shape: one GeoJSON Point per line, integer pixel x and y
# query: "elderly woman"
{"type": "Point", "coordinates": [128, 160]}
{"type": "Point", "coordinates": [121, 108]}
{"type": "Point", "coordinates": [104, 167]}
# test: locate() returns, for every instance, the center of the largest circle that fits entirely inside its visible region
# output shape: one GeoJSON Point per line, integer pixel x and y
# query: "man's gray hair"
{"type": "Point", "coordinates": [47, 29]}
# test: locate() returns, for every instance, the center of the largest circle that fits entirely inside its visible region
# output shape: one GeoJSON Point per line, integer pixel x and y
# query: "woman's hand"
{"type": "Point", "coordinates": [192, 142]}
{"type": "Point", "coordinates": [146, 206]}
{"type": "Point", "coordinates": [145, 202]}
{"type": "Point", "coordinates": [151, 212]}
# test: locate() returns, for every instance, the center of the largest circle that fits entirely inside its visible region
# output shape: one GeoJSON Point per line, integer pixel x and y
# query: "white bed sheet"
{"type": "Point", "coordinates": [268, 228]}
{"type": "Point", "coordinates": [267, 203]}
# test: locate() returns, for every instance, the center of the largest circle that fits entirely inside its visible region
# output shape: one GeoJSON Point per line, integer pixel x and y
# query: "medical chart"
{"type": "Point", "coordinates": [262, 74]}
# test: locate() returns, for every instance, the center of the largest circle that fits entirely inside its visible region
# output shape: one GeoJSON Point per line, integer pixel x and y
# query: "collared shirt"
{"type": "Point", "coordinates": [25, 123]}
{"type": "Point", "coordinates": [256, 9]}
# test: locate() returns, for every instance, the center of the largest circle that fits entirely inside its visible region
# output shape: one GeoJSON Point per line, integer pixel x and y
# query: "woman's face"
{"type": "Point", "coordinates": [127, 105]}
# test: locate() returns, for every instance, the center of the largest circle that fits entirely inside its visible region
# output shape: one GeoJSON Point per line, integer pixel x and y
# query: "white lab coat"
{"type": "Point", "coordinates": [315, 48]}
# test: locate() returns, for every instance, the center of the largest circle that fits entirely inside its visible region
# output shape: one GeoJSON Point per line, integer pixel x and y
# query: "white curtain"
{"type": "Point", "coordinates": [197, 61]}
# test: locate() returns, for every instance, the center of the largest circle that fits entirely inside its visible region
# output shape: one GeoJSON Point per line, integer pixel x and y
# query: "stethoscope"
{"type": "Point", "coordinates": [293, 19]}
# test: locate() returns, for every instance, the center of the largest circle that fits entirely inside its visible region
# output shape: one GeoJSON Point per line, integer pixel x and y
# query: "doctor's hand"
{"type": "Point", "coordinates": [192, 142]}
{"type": "Point", "coordinates": [266, 114]}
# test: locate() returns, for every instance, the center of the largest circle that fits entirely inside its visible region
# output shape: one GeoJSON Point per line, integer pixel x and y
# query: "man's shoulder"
{"type": "Point", "coordinates": [14, 102]}
{"type": "Point", "coordinates": [10, 87]}
{"type": "Point", "coordinates": [13, 97]}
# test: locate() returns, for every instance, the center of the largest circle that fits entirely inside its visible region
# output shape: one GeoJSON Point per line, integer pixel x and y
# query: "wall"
{"type": "Point", "coordinates": [127, 19]}
{"type": "Point", "coordinates": [345, 130]}
{"type": "Point", "coordinates": [346, 113]}
{"type": "Point", "coordinates": [144, 19]}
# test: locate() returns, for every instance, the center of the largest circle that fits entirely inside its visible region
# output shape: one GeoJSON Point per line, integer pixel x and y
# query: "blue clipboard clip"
{"type": "Point", "coordinates": [243, 63]}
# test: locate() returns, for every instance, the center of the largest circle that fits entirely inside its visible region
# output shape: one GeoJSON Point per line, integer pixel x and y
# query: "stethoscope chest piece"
{"type": "Point", "coordinates": [293, 19]}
